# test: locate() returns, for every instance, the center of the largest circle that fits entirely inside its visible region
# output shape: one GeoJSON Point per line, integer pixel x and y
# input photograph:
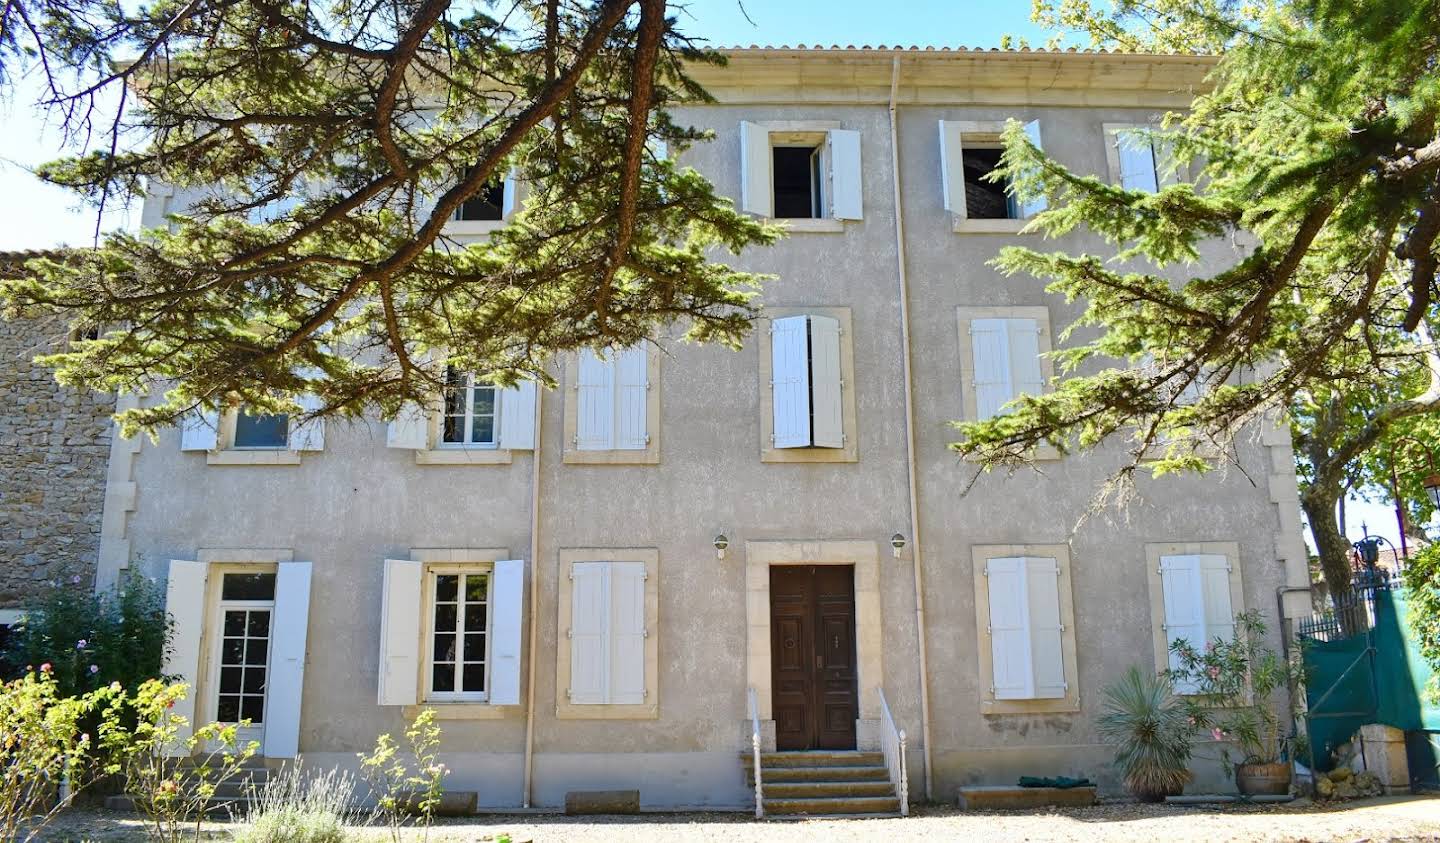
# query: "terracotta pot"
{"type": "Point", "coordinates": [1263, 779]}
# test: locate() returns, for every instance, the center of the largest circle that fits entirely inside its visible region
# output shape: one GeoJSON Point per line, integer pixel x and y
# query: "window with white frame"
{"type": "Point", "coordinates": [970, 153]}
{"type": "Point", "coordinates": [261, 431]}
{"type": "Point", "coordinates": [1195, 590]}
{"type": "Point", "coordinates": [1005, 354]}
{"type": "Point", "coordinates": [612, 400]}
{"type": "Point", "coordinates": [794, 170]}
{"type": "Point", "coordinates": [240, 437]}
{"type": "Point", "coordinates": [458, 644]}
{"type": "Point", "coordinates": [1137, 159]}
{"type": "Point", "coordinates": [472, 412]}
{"type": "Point", "coordinates": [1025, 618]}
{"type": "Point", "coordinates": [806, 382]}
{"type": "Point", "coordinates": [608, 664]}
{"type": "Point", "coordinates": [494, 202]}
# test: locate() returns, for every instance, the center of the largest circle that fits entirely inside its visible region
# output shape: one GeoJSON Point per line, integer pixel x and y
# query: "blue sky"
{"type": "Point", "coordinates": [33, 215]}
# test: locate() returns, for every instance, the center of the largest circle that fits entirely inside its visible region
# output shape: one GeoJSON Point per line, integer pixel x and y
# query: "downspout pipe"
{"type": "Point", "coordinates": [915, 543]}
{"type": "Point", "coordinates": [534, 599]}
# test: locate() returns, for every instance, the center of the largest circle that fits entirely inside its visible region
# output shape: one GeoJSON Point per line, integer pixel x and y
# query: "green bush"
{"type": "Point", "coordinates": [1152, 733]}
{"type": "Point", "coordinates": [90, 640]}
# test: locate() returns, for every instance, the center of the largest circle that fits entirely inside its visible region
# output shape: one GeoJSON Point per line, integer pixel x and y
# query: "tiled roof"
{"type": "Point", "coordinates": [915, 48]}
{"type": "Point", "coordinates": [12, 264]}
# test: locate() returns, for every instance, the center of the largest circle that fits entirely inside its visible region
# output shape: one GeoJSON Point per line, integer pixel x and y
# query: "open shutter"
{"type": "Point", "coordinates": [508, 198]}
{"type": "Point", "coordinates": [1047, 654]}
{"type": "Point", "coordinates": [1137, 161]}
{"type": "Point", "coordinates": [409, 429]}
{"type": "Point", "coordinates": [1215, 585]}
{"type": "Point", "coordinates": [589, 633]}
{"type": "Point", "coordinates": [517, 417]}
{"type": "Point", "coordinates": [952, 168]}
{"type": "Point", "coordinates": [507, 613]}
{"type": "Point", "coordinates": [595, 402]}
{"type": "Point", "coordinates": [286, 681]}
{"type": "Point", "coordinates": [185, 604]}
{"type": "Point", "coordinates": [846, 193]}
{"type": "Point", "coordinates": [632, 386]}
{"type": "Point", "coordinates": [308, 434]}
{"type": "Point", "coordinates": [627, 633]}
{"type": "Point", "coordinates": [1022, 338]}
{"type": "Point", "coordinates": [1038, 204]}
{"type": "Point", "coordinates": [756, 196]}
{"type": "Point", "coordinates": [790, 381]}
{"type": "Point", "coordinates": [990, 349]}
{"type": "Point", "coordinates": [200, 430]}
{"type": "Point", "coordinates": [400, 627]}
{"type": "Point", "coordinates": [827, 424]}
{"type": "Point", "coordinates": [1184, 593]}
{"type": "Point", "coordinates": [1010, 662]}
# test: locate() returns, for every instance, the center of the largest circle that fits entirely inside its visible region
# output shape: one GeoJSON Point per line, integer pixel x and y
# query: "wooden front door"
{"type": "Point", "coordinates": [812, 656]}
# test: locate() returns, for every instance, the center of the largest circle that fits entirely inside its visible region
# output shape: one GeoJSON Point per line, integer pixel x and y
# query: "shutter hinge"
{"type": "Point", "coordinates": [842, 383]}
{"type": "Point", "coordinates": [645, 632]}
{"type": "Point", "coordinates": [1164, 627]}
{"type": "Point", "coordinates": [647, 439]}
{"type": "Point", "coordinates": [1062, 627]}
{"type": "Point", "coordinates": [570, 633]}
{"type": "Point", "coordinates": [1065, 686]}
{"type": "Point", "coordinates": [644, 693]}
{"type": "Point", "coordinates": [989, 630]}
{"type": "Point", "coordinates": [992, 690]}
{"type": "Point", "coordinates": [569, 694]}
{"type": "Point", "coordinates": [645, 576]}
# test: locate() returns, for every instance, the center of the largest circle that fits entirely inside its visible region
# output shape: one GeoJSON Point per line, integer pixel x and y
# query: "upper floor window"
{"type": "Point", "coordinates": [806, 374]}
{"type": "Point", "coordinates": [800, 170]}
{"type": "Point", "coordinates": [472, 411]}
{"type": "Point", "coordinates": [970, 152]}
{"type": "Point", "coordinates": [261, 431]}
{"type": "Point", "coordinates": [1002, 356]}
{"type": "Point", "coordinates": [487, 205]}
{"type": "Point", "coordinates": [1135, 158]}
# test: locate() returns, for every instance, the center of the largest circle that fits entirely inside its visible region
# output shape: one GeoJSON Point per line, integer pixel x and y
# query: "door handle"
{"type": "Point", "coordinates": [819, 662]}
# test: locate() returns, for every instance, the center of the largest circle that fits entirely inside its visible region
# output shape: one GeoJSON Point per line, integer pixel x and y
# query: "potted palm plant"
{"type": "Point", "coordinates": [1153, 738]}
{"type": "Point", "coordinates": [1233, 684]}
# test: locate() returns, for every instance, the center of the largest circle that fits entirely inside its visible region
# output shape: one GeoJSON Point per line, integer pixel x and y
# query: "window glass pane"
{"type": "Point", "coordinates": [475, 647]}
{"type": "Point", "coordinates": [446, 587]}
{"type": "Point", "coordinates": [234, 623]}
{"type": "Point", "coordinates": [253, 709]}
{"type": "Point", "coordinates": [261, 431]}
{"type": "Point", "coordinates": [445, 617]}
{"type": "Point", "coordinates": [230, 679]}
{"type": "Point", "coordinates": [485, 205]}
{"type": "Point", "coordinates": [484, 430]}
{"type": "Point", "coordinates": [442, 678]}
{"type": "Point", "coordinates": [484, 400]}
{"type": "Point", "coordinates": [445, 647]}
{"type": "Point", "coordinates": [259, 624]}
{"type": "Point", "coordinates": [984, 199]}
{"type": "Point", "coordinates": [794, 191]}
{"type": "Point", "coordinates": [475, 678]}
{"type": "Point", "coordinates": [256, 651]}
{"type": "Point", "coordinates": [232, 651]}
{"type": "Point", "coordinates": [477, 588]}
{"type": "Point", "coordinates": [248, 587]}
{"type": "Point", "coordinates": [254, 680]}
{"type": "Point", "coordinates": [475, 617]}
{"type": "Point", "coordinates": [229, 709]}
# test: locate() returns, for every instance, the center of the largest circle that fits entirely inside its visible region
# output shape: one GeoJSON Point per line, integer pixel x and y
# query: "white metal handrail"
{"type": "Point", "coordinates": [892, 744]}
{"type": "Point", "coordinates": [755, 750]}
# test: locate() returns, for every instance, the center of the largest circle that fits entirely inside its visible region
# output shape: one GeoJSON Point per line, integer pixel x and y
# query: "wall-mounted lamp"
{"type": "Point", "coordinates": [897, 542]}
{"type": "Point", "coordinates": [720, 544]}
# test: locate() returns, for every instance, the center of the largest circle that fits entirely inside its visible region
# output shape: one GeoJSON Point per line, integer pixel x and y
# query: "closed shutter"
{"type": "Point", "coordinates": [790, 381]}
{"type": "Point", "coordinates": [589, 633]}
{"type": "Point", "coordinates": [846, 187]}
{"type": "Point", "coordinates": [990, 348]}
{"type": "Point", "coordinates": [285, 685]}
{"type": "Point", "coordinates": [400, 626]}
{"type": "Point", "coordinates": [627, 633]}
{"type": "Point", "coordinates": [1038, 204]}
{"type": "Point", "coordinates": [200, 430]}
{"type": "Point", "coordinates": [1022, 338]}
{"type": "Point", "coordinates": [595, 402]}
{"type": "Point", "coordinates": [826, 385]}
{"type": "Point", "coordinates": [1011, 666]}
{"type": "Point", "coordinates": [1137, 161]}
{"type": "Point", "coordinates": [1215, 586]}
{"type": "Point", "coordinates": [517, 417]}
{"type": "Point", "coordinates": [1184, 592]}
{"type": "Point", "coordinates": [756, 196]}
{"type": "Point", "coordinates": [1047, 654]}
{"type": "Point", "coordinates": [509, 197]}
{"type": "Point", "coordinates": [185, 606]}
{"type": "Point", "coordinates": [632, 386]}
{"type": "Point", "coordinates": [507, 601]}
{"type": "Point", "coordinates": [952, 168]}
{"type": "Point", "coordinates": [409, 429]}
{"type": "Point", "coordinates": [308, 434]}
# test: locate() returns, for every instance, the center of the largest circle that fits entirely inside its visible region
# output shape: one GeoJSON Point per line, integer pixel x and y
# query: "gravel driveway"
{"type": "Point", "coordinates": [1384, 819]}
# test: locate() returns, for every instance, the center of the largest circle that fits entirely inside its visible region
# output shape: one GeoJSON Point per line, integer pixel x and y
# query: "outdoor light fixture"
{"type": "Point", "coordinates": [897, 541]}
{"type": "Point", "coordinates": [1432, 488]}
{"type": "Point", "coordinates": [720, 544]}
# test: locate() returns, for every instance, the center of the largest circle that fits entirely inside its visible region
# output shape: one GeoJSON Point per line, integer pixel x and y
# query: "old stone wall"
{"type": "Point", "coordinates": [54, 444]}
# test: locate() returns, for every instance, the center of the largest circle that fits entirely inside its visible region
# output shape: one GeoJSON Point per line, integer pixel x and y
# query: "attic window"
{"type": "Point", "coordinates": [986, 199]}
{"type": "Point", "coordinates": [487, 205]}
{"type": "Point", "coordinates": [797, 181]}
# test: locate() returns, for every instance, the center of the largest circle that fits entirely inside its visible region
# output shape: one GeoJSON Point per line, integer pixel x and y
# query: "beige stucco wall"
{"type": "Point", "coordinates": [349, 507]}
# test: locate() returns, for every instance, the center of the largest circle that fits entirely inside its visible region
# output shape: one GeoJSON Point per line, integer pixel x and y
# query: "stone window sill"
{"type": "Point", "coordinates": [649, 456]}
{"type": "Point", "coordinates": [255, 457]}
{"type": "Point", "coordinates": [572, 711]}
{"type": "Point", "coordinates": [463, 228]}
{"type": "Point", "coordinates": [810, 455]}
{"type": "Point", "coordinates": [464, 456]}
{"type": "Point", "coordinates": [960, 225]}
{"type": "Point", "coordinates": [461, 711]}
{"type": "Point", "coordinates": [812, 226]}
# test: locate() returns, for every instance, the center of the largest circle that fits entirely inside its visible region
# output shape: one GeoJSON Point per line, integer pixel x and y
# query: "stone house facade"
{"type": "Point", "coordinates": [614, 584]}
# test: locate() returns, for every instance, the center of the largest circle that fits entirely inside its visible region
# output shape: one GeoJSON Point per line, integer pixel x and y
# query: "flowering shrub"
{"type": "Point", "coordinates": [400, 793]}
{"type": "Point", "coordinates": [1234, 684]}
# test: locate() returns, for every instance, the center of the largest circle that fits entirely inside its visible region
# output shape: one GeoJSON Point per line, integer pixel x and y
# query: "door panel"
{"type": "Point", "coordinates": [812, 622]}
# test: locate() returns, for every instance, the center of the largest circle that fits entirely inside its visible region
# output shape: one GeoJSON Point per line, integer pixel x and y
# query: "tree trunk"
{"type": "Point", "coordinates": [1319, 504]}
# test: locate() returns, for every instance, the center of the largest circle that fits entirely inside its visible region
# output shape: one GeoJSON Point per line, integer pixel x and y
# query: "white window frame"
{"type": "Point", "coordinates": [235, 431]}
{"type": "Point", "coordinates": [1060, 552]}
{"type": "Point", "coordinates": [969, 402]}
{"type": "Point", "coordinates": [432, 575]}
{"type": "Point", "coordinates": [1154, 554]}
{"type": "Point", "coordinates": [1163, 176]}
{"type": "Point", "coordinates": [470, 386]}
{"type": "Point", "coordinates": [512, 200]}
{"type": "Point", "coordinates": [975, 134]}
{"type": "Point", "coordinates": [832, 214]}
{"type": "Point", "coordinates": [650, 708]}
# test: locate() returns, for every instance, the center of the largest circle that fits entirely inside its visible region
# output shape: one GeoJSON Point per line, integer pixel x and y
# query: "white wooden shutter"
{"type": "Point", "coordinates": [756, 195]}
{"type": "Point", "coordinates": [1013, 675]}
{"type": "Point", "coordinates": [826, 385]}
{"type": "Point", "coordinates": [589, 633]}
{"type": "Point", "coordinates": [185, 605]}
{"type": "Point", "coordinates": [409, 429]}
{"type": "Point", "coordinates": [632, 385]}
{"type": "Point", "coordinates": [1215, 586]}
{"type": "Point", "coordinates": [1137, 161]}
{"type": "Point", "coordinates": [507, 613]}
{"type": "Point", "coordinates": [627, 633]}
{"type": "Point", "coordinates": [307, 435]}
{"type": "Point", "coordinates": [508, 197]}
{"type": "Point", "coordinates": [990, 348]}
{"type": "Point", "coordinates": [285, 684]}
{"type": "Point", "coordinates": [1184, 592]}
{"type": "Point", "coordinates": [952, 168]}
{"type": "Point", "coordinates": [200, 430]}
{"type": "Point", "coordinates": [1047, 633]}
{"type": "Point", "coordinates": [400, 626]}
{"type": "Point", "coordinates": [790, 381]}
{"type": "Point", "coordinates": [517, 417]}
{"type": "Point", "coordinates": [846, 183]}
{"type": "Point", "coordinates": [1034, 206]}
{"type": "Point", "coordinates": [595, 401]}
{"type": "Point", "coordinates": [1022, 338]}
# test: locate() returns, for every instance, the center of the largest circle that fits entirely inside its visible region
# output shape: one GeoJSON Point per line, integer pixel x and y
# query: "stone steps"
{"type": "Point", "coordinates": [824, 784]}
{"type": "Point", "coordinates": [819, 774]}
{"type": "Point", "coordinates": [826, 789]}
{"type": "Point", "coordinates": [838, 807]}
